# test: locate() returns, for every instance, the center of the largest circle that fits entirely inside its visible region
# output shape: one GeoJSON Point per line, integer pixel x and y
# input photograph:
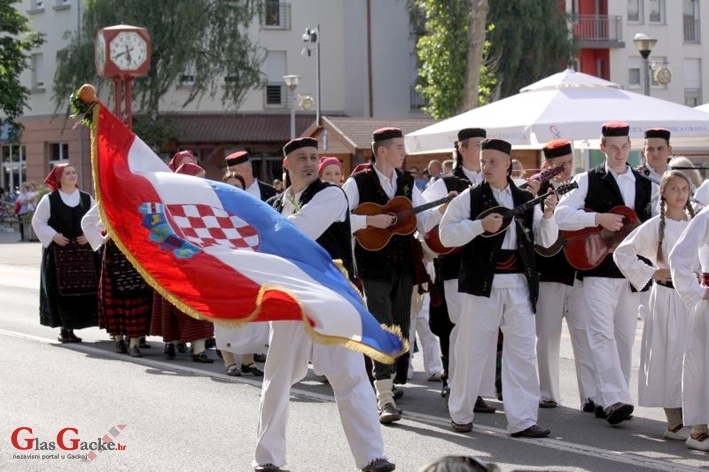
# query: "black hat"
{"type": "Point", "coordinates": [235, 158]}
{"type": "Point", "coordinates": [615, 128]}
{"type": "Point", "coordinates": [658, 133]}
{"type": "Point", "coordinates": [467, 133]}
{"type": "Point", "coordinates": [298, 143]}
{"type": "Point", "coordinates": [557, 148]}
{"type": "Point", "coordinates": [497, 145]}
{"type": "Point", "coordinates": [382, 134]}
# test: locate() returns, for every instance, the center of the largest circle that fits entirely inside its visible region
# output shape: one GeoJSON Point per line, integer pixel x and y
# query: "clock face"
{"type": "Point", "coordinates": [128, 50]}
{"type": "Point", "coordinates": [100, 53]}
{"type": "Point", "coordinates": [663, 75]}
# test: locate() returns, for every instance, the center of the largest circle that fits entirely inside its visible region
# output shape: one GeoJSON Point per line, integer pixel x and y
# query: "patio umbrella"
{"type": "Point", "coordinates": [569, 105]}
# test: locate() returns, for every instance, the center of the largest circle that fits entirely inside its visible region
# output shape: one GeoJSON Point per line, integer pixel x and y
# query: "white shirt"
{"type": "Point", "coordinates": [457, 229]}
{"type": "Point", "coordinates": [570, 214]}
{"type": "Point", "coordinates": [425, 219]}
{"type": "Point", "coordinates": [92, 226]}
{"type": "Point", "coordinates": [474, 176]}
{"type": "Point", "coordinates": [702, 193]}
{"type": "Point", "coordinates": [325, 208]}
{"type": "Point", "coordinates": [254, 189]}
{"type": "Point", "coordinates": [40, 219]}
{"type": "Point", "coordinates": [689, 256]}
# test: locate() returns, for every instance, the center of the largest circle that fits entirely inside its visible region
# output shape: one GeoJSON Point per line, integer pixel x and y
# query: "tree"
{"type": "Point", "coordinates": [206, 37]}
{"type": "Point", "coordinates": [530, 41]}
{"type": "Point", "coordinates": [17, 40]}
{"type": "Point", "coordinates": [448, 66]}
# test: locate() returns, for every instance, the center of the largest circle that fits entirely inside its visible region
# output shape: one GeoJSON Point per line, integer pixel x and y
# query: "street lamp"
{"type": "Point", "coordinates": [311, 38]}
{"type": "Point", "coordinates": [644, 44]}
{"type": "Point", "coordinates": [292, 84]}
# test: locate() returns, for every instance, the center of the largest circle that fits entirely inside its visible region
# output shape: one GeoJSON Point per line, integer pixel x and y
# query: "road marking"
{"type": "Point", "coordinates": [670, 464]}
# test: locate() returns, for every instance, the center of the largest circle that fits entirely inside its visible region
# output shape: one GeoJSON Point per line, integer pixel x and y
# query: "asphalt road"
{"type": "Point", "coordinates": [180, 415]}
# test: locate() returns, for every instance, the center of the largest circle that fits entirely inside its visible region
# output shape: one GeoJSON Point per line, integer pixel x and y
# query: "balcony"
{"type": "Point", "coordinates": [598, 31]}
{"type": "Point", "coordinates": [692, 97]}
{"type": "Point", "coordinates": [691, 30]}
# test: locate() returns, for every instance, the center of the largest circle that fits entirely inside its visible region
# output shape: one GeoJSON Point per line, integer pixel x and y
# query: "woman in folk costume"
{"type": "Point", "coordinates": [69, 274]}
{"type": "Point", "coordinates": [665, 332]}
{"type": "Point", "coordinates": [689, 263]}
{"type": "Point", "coordinates": [167, 321]}
{"type": "Point", "coordinates": [125, 299]}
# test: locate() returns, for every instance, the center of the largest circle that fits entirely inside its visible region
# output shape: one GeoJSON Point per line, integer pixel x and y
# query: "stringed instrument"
{"type": "Point", "coordinates": [508, 214]}
{"type": "Point", "coordinates": [587, 248]}
{"type": "Point", "coordinates": [433, 239]}
{"type": "Point", "coordinates": [404, 213]}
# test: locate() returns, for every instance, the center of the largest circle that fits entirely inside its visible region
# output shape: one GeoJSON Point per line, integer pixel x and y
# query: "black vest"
{"type": "Point", "coordinates": [555, 268]}
{"type": "Point", "coordinates": [397, 255]}
{"type": "Point", "coordinates": [449, 265]}
{"type": "Point", "coordinates": [337, 238]}
{"type": "Point", "coordinates": [267, 191]}
{"type": "Point", "coordinates": [479, 256]}
{"type": "Point", "coordinates": [65, 219]}
{"type": "Point", "coordinates": [604, 194]}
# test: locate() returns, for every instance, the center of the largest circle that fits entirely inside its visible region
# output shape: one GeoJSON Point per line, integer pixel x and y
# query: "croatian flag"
{"type": "Point", "coordinates": [220, 254]}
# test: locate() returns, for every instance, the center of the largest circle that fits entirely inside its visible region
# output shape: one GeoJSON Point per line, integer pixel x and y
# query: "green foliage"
{"type": "Point", "coordinates": [207, 36]}
{"type": "Point", "coordinates": [17, 40]}
{"type": "Point", "coordinates": [442, 53]}
{"type": "Point", "coordinates": [530, 41]}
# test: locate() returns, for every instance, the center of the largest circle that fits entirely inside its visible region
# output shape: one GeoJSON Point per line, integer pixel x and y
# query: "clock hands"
{"type": "Point", "coordinates": [126, 52]}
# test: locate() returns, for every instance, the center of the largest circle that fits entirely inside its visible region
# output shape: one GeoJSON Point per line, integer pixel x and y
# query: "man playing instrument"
{"type": "Point", "coordinates": [499, 286]}
{"type": "Point", "coordinates": [611, 303]}
{"type": "Point", "coordinates": [561, 295]}
{"type": "Point", "coordinates": [387, 275]}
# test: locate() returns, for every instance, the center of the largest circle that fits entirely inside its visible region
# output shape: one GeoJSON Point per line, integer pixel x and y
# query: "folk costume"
{"type": "Point", "coordinates": [561, 296]}
{"type": "Point", "coordinates": [691, 254]}
{"type": "Point", "coordinates": [387, 275]}
{"type": "Point", "coordinates": [125, 298]}
{"type": "Point", "coordinates": [258, 188]}
{"type": "Point", "coordinates": [612, 305]}
{"type": "Point", "coordinates": [499, 286]}
{"type": "Point", "coordinates": [321, 212]}
{"type": "Point", "coordinates": [69, 274]}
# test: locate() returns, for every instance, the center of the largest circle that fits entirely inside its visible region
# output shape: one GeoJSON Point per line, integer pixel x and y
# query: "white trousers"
{"type": "Point", "coordinates": [507, 309]}
{"type": "Point", "coordinates": [428, 342]}
{"type": "Point", "coordinates": [455, 309]}
{"type": "Point", "coordinates": [695, 371]}
{"type": "Point", "coordinates": [558, 301]}
{"type": "Point", "coordinates": [287, 364]}
{"type": "Point", "coordinates": [612, 319]}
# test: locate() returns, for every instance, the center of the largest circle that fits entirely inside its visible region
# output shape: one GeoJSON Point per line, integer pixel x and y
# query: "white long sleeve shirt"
{"type": "Point", "coordinates": [690, 256]}
{"type": "Point", "coordinates": [92, 226]}
{"type": "Point", "coordinates": [425, 219]}
{"type": "Point", "coordinates": [325, 208]}
{"type": "Point", "coordinates": [40, 219]}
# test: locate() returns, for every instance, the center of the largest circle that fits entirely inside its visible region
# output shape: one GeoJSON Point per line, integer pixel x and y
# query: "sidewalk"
{"type": "Point", "coordinates": [13, 252]}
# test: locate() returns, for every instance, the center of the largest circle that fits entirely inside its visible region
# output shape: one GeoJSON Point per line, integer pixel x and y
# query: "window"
{"type": "Point", "coordinates": [187, 77]}
{"type": "Point", "coordinates": [635, 11]}
{"type": "Point", "coordinates": [36, 6]}
{"type": "Point", "coordinates": [634, 79]}
{"type": "Point", "coordinates": [276, 15]}
{"type": "Point", "coordinates": [657, 11]}
{"type": "Point", "coordinates": [275, 68]}
{"type": "Point", "coordinates": [38, 71]}
{"type": "Point", "coordinates": [58, 152]}
{"type": "Point", "coordinates": [62, 4]}
{"type": "Point", "coordinates": [13, 167]}
{"type": "Point", "coordinates": [690, 17]}
{"type": "Point", "coordinates": [692, 82]}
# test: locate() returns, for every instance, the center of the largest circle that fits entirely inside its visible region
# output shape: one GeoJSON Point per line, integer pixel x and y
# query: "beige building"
{"type": "Point", "coordinates": [367, 69]}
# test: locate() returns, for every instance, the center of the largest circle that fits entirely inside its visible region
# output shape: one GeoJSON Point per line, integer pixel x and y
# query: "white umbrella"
{"type": "Point", "coordinates": [569, 105]}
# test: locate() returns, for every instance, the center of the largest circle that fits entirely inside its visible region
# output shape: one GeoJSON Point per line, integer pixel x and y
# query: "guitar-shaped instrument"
{"type": "Point", "coordinates": [404, 213]}
{"type": "Point", "coordinates": [508, 214]}
{"type": "Point", "coordinates": [586, 248]}
{"type": "Point", "coordinates": [433, 239]}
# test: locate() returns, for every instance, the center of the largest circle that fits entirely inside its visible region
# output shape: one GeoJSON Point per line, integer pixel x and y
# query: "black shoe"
{"type": "Point", "coordinates": [588, 406]}
{"type": "Point", "coordinates": [533, 431]}
{"type": "Point", "coordinates": [64, 336]}
{"type": "Point", "coordinates": [202, 357]}
{"type": "Point", "coordinates": [389, 414]}
{"type": "Point", "coordinates": [120, 346]}
{"type": "Point", "coordinates": [135, 352]}
{"type": "Point", "coordinates": [268, 468]}
{"type": "Point", "coordinates": [619, 412]}
{"type": "Point", "coordinates": [170, 351]}
{"type": "Point", "coordinates": [143, 344]}
{"type": "Point", "coordinates": [397, 392]}
{"type": "Point", "coordinates": [251, 369]}
{"type": "Point", "coordinates": [181, 348]}
{"type": "Point", "coordinates": [462, 427]}
{"type": "Point", "coordinates": [210, 342]}
{"type": "Point", "coordinates": [73, 338]}
{"type": "Point", "coordinates": [233, 370]}
{"type": "Point", "coordinates": [379, 465]}
{"type": "Point", "coordinates": [599, 412]}
{"type": "Point", "coordinates": [260, 357]}
{"type": "Point", "coordinates": [548, 404]}
{"type": "Point", "coordinates": [445, 391]}
{"type": "Point", "coordinates": [482, 407]}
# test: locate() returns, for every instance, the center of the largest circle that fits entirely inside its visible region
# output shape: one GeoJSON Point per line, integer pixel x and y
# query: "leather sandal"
{"type": "Point", "coordinates": [233, 370]}
{"type": "Point", "coordinates": [252, 369]}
